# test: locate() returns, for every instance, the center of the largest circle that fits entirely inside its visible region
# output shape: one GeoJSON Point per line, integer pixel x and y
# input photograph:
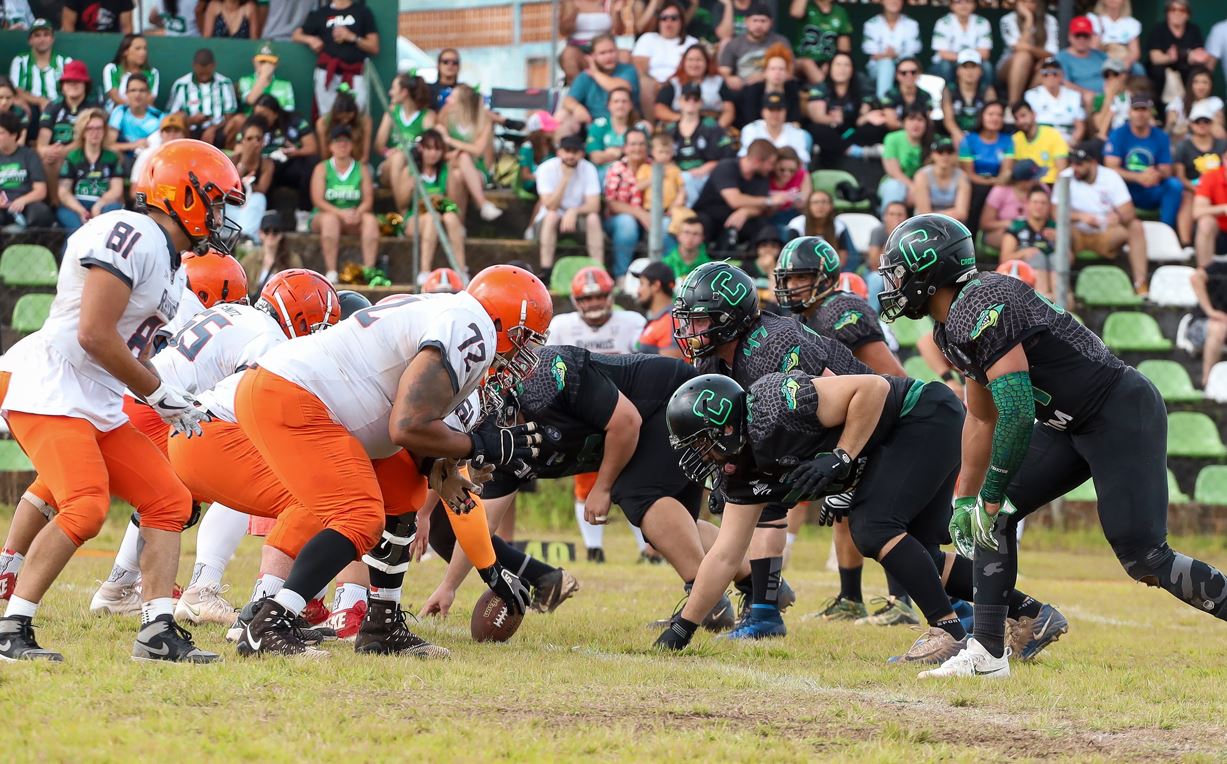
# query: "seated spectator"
{"type": "Point", "coordinates": [1118, 32]}
{"type": "Point", "coordinates": [888, 39]}
{"type": "Point", "coordinates": [580, 21]}
{"type": "Point", "coordinates": [1209, 331]}
{"type": "Point", "coordinates": [291, 145]}
{"type": "Point", "coordinates": [343, 36]}
{"type": "Point", "coordinates": [1029, 34]}
{"type": "Point", "coordinates": [570, 197]}
{"type": "Point", "coordinates": [1174, 46]}
{"type": "Point", "coordinates": [892, 217]}
{"type": "Point", "coordinates": [607, 135]}
{"type": "Point", "coordinates": [773, 128]}
{"type": "Point", "coordinates": [234, 19]}
{"type": "Point", "coordinates": [1216, 45]}
{"type": "Point", "coordinates": [432, 167]}
{"type": "Point", "coordinates": [819, 219]}
{"type": "Point", "coordinates": [36, 74]}
{"type": "Point", "coordinates": [408, 116]}
{"type": "Point", "coordinates": [57, 123]}
{"type": "Point", "coordinates": [906, 95]}
{"type": "Point", "coordinates": [205, 97]}
{"type": "Point", "coordinates": [264, 79]}
{"type": "Point", "coordinates": [1103, 215]}
{"type": "Point", "coordinates": [273, 256]}
{"type": "Point", "coordinates": [789, 177]}
{"type": "Point", "coordinates": [1056, 104]}
{"type": "Point", "coordinates": [1196, 155]}
{"type": "Point", "coordinates": [759, 261]}
{"type": "Point", "coordinates": [1032, 238]}
{"type": "Point", "coordinates": [987, 153]}
{"type": "Point", "coordinates": [113, 16]}
{"type": "Point", "coordinates": [690, 251]}
{"type": "Point", "coordinates": [1210, 214]}
{"type": "Point", "coordinates": [10, 105]}
{"type": "Point", "coordinates": [1041, 144]}
{"type": "Point", "coordinates": [345, 112]}
{"type": "Point", "coordinates": [344, 196]}
{"type": "Point", "coordinates": [698, 143]}
{"type": "Point", "coordinates": [673, 188]}
{"type": "Point", "coordinates": [1007, 203]}
{"type": "Point", "coordinates": [942, 186]}
{"type": "Point", "coordinates": [655, 298]}
{"type": "Point", "coordinates": [627, 217]}
{"type": "Point", "coordinates": [903, 153]}
{"type": "Point", "coordinates": [824, 29]}
{"type": "Point", "coordinates": [468, 132]}
{"type": "Point", "coordinates": [1110, 106]}
{"type": "Point", "coordinates": [742, 60]}
{"type": "Point", "coordinates": [447, 76]}
{"type": "Point", "coordinates": [23, 185]}
{"type": "Point", "coordinates": [777, 80]}
{"type": "Point", "coordinates": [131, 58]}
{"type": "Point", "coordinates": [173, 128]}
{"type": "Point", "coordinates": [589, 96]}
{"type": "Point", "coordinates": [833, 108]}
{"type": "Point", "coordinates": [1199, 92]}
{"type": "Point", "coordinates": [173, 18]}
{"type": "Point", "coordinates": [738, 192]}
{"type": "Point", "coordinates": [133, 122]}
{"type": "Point", "coordinates": [1142, 155]}
{"type": "Point", "coordinates": [966, 94]}
{"type": "Point", "coordinates": [697, 67]}
{"type": "Point", "coordinates": [958, 32]}
{"type": "Point", "coordinates": [256, 170]}
{"type": "Point", "coordinates": [538, 148]}
{"type": "Point", "coordinates": [658, 54]}
{"type": "Point", "coordinates": [1083, 64]}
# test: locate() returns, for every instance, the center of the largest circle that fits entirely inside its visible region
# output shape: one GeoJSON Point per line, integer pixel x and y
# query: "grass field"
{"type": "Point", "coordinates": [1139, 677]}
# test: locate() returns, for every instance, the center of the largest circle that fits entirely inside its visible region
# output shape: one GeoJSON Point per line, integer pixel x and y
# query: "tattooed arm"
{"type": "Point", "coordinates": [423, 398]}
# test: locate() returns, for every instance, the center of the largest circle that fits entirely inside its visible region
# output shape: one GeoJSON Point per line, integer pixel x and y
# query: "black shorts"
{"type": "Point", "coordinates": [653, 474]}
{"type": "Point", "coordinates": [773, 513]}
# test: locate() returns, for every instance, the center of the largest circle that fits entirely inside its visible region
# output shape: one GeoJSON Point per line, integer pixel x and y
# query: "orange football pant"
{"type": "Point", "coordinates": [583, 485]}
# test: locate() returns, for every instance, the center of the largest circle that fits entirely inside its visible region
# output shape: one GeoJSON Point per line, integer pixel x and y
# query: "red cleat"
{"type": "Point", "coordinates": [347, 622]}
{"type": "Point", "coordinates": [316, 612]}
{"type": "Point", "coordinates": [8, 582]}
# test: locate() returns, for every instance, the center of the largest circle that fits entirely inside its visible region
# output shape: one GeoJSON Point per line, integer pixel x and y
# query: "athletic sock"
{"type": "Point", "coordinates": [204, 574]}
{"type": "Point", "coordinates": [909, 561]}
{"type": "Point", "coordinates": [349, 595]}
{"type": "Point", "coordinates": [19, 607]}
{"type": "Point", "coordinates": [896, 589]}
{"type": "Point", "coordinates": [387, 595]}
{"type": "Point", "coordinates": [267, 585]}
{"type": "Point", "coordinates": [594, 535]}
{"type": "Point", "coordinates": [291, 600]}
{"type": "Point", "coordinates": [128, 560]}
{"type": "Point", "coordinates": [527, 568]}
{"type": "Point", "coordinates": [990, 628]}
{"type": "Point", "coordinates": [850, 583]}
{"type": "Point", "coordinates": [222, 529]}
{"type": "Point", "coordinates": [639, 539]}
{"type": "Point", "coordinates": [765, 579]}
{"type": "Point", "coordinates": [122, 576]}
{"type": "Point", "coordinates": [321, 559]}
{"type": "Point", "coordinates": [10, 562]}
{"type": "Point", "coordinates": [1022, 605]}
{"type": "Point", "coordinates": [952, 626]}
{"type": "Point", "coordinates": [156, 607]}
{"type": "Point", "coordinates": [745, 585]}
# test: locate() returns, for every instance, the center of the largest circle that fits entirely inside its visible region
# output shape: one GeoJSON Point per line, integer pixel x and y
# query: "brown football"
{"type": "Point", "coordinates": [492, 620]}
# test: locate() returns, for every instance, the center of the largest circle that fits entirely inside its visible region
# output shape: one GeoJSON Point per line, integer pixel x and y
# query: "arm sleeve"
{"type": "Point", "coordinates": [1015, 419]}
{"type": "Point", "coordinates": [473, 534]}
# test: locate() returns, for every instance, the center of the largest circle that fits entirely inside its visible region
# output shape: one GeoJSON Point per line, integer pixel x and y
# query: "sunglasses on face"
{"type": "Point", "coordinates": [1202, 121]}
{"type": "Point", "coordinates": [908, 72]}
{"type": "Point", "coordinates": [1051, 73]}
{"type": "Point", "coordinates": [670, 17]}
{"type": "Point", "coordinates": [1110, 74]}
{"type": "Point", "coordinates": [1081, 35]}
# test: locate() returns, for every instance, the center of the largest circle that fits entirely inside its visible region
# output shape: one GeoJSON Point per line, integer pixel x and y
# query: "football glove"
{"type": "Point", "coordinates": [507, 585]}
{"type": "Point", "coordinates": [453, 487]}
{"type": "Point", "coordinates": [810, 478]}
{"type": "Point", "coordinates": [960, 526]}
{"type": "Point", "coordinates": [177, 409]}
{"type": "Point", "coordinates": [982, 527]}
{"type": "Point", "coordinates": [835, 508]}
{"type": "Point", "coordinates": [502, 445]}
{"type": "Point", "coordinates": [675, 637]}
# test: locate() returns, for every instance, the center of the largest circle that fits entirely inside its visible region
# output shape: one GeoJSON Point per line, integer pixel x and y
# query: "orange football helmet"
{"type": "Point", "coordinates": [192, 182]}
{"type": "Point", "coordinates": [521, 309]}
{"type": "Point", "coordinates": [301, 301]}
{"type": "Point", "coordinates": [443, 281]}
{"type": "Point", "coordinates": [592, 294]}
{"type": "Point", "coordinates": [851, 282]}
{"type": "Point", "coordinates": [1019, 270]}
{"type": "Point", "coordinates": [214, 277]}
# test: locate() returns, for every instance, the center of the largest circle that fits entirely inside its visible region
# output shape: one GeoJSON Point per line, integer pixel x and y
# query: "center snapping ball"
{"type": "Point", "coordinates": [492, 620]}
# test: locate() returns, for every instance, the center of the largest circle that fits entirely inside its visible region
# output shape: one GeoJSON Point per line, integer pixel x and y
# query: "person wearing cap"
{"type": "Point", "coordinates": [570, 202]}
{"type": "Point", "coordinates": [1174, 46]}
{"type": "Point", "coordinates": [959, 32]}
{"type": "Point", "coordinates": [131, 58]}
{"type": "Point", "coordinates": [1118, 32]}
{"type": "Point", "coordinates": [132, 123]}
{"type": "Point", "coordinates": [204, 97]}
{"type": "Point", "coordinates": [173, 128]}
{"type": "Point", "coordinates": [1200, 152]}
{"type": "Point", "coordinates": [965, 94]}
{"type": "Point", "coordinates": [887, 39]}
{"type": "Point", "coordinates": [272, 257]}
{"type": "Point", "coordinates": [111, 16]}
{"type": "Point", "coordinates": [1032, 238]}
{"type": "Point", "coordinates": [1083, 63]}
{"type": "Point", "coordinates": [690, 252]}
{"type": "Point", "coordinates": [1142, 154]}
{"type": "Point", "coordinates": [760, 261]}
{"type": "Point", "coordinates": [1102, 212]}
{"type": "Point", "coordinates": [36, 74]}
{"type": "Point", "coordinates": [264, 79]}
{"type": "Point", "coordinates": [1057, 104]}
{"type": "Point", "coordinates": [1008, 202]}
{"type": "Point", "coordinates": [823, 29]}
{"type": "Point", "coordinates": [742, 59]}
{"type": "Point", "coordinates": [1199, 93]}
{"type": "Point", "coordinates": [59, 118]}
{"type": "Point", "coordinates": [343, 195]}
{"type": "Point", "coordinates": [772, 127]}
{"type": "Point", "coordinates": [171, 18]}
{"type": "Point", "coordinates": [698, 143]}
{"type": "Point", "coordinates": [1209, 208]}
{"type": "Point", "coordinates": [1110, 106]}
{"type": "Point", "coordinates": [1029, 34]}
{"type": "Point", "coordinates": [655, 298]}
{"type": "Point", "coordinates": [942, 186]}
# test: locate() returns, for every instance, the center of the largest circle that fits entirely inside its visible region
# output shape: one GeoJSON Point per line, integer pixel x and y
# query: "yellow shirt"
{"type": "Point", "coordinates": [674, 185]}
{"type": "Point", "coordinates": [1045, 150]}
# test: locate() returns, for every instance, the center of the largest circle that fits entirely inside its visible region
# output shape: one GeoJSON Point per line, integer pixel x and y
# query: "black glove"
{"type": "Point", "coordinates": [194, 517]}
{"type": "Point", "coordinates": [835, 508]}
{"type": "Point", "coordinates": [809, 479]}
{"type": "Point", "coordinates": [507, 585]}
{"type": "Point", "coordinates": [501, 445]}
{"type": "Point", "coordinates": [715, 501]}
{"type": "Point", "coordinates": [676, 636]}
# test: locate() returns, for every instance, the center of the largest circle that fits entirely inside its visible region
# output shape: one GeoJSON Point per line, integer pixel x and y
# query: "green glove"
{"type": "Point", "coordinates": [960, 525]}
{"type": "Point", "coordinates": [982, 524]}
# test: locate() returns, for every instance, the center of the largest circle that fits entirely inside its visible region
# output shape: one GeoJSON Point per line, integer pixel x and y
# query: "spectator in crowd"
{"type": "Point", "coordinates": [737, 194]}
{"type": "Point", "coordinates": [292, 146]}
{"type": "Point", "coordinates": [92, 177]}
{"type": "Point", "coordinates": [822, 30]}
{"type": "Point", "coordinates": [344, 196]}
{"type": "Point", "coordinates": [777, 79]}
{"type": "Point", "coordinates": [235, 19]}
{"type": "Point", "coordinates": [1083, 63]}
{"type": "Point", "coordinates": [789, 178]}
{"type": "Point", "coordinates": [432, 166]}
{"type": "Point", "coordinates": [173, 128]}
{"type": "Point", "coordinates": [133, 122]}
{"type": "Point", "coordinates": [36, 74]}
{"type": "Point", "coordinates": [903, 153]}
{"type": "Point", "coordinates": [715, 99]}
{"type": "Point", "coordinates": [1039, 144]}
{"type": "Point", "coordinates": [468, 132]}
{"type": "Point", "coordinates": [1210, 285]}
{"type": "Point", "coordinates": [655, 299]}
{"type": "Point", "coordinates": [1056, 104]}
{"type": "Point", "coordinates": [447, 76]}
{"type": "Point", "coordinates": [279, 18]}
{"type": "Point", "coordinates": [205, 97]}
{"type": "Point", "coordinates": [892, 217]}
{"type": "Point", "coordinates": [538, 148]}
{"type": "Point", "coordinates": [256, 170]}
{"type": "Point", "coordinates": [131, 58]}
{"type": "Point", "coordinates": [673, 188]}
{"type": "Point", "coordinates": [23, 184]}
{"type": "Point", "coordinates": [172, 18]}
{"type": "Point", "coordinates": [1216, 46]}
{"type": "Point", "coordinates": [888, 39]}
{"type": "Point", "coordinates": [987, 153]}
{"type": "Point", "coordinates": [1110, 106]}
{"type": "Point", "coordinates": [9, 105]}
{"type": "Point", "coordinates": [408, 116]}
{"type": "Point", "coordinates": [1142, 155]}
{"type": "Point", "coordinates": [570, 195]}
{"type": "Point", "coordinates": [97, 16]}
{"type": "Point", "coordinates": [626, 218]}
{"type": "Point", "coordinates": [1032, 238]}
{"type": "Point", "coordinates": [690, 251]}
{"type": "Point", "coordinates": [1198, 92]}
{"type": "Point", "coordinates": [962, 30]}
{"type": "Point", "coordinates": [966, 93]}
{"type": "Point", "coordinates": [942, 186]}
{"type": "Point", "coordinates": [720, 21]}
{"type": "Point", "coordinates": [264, 79]}
{"type": "Point", "coordinates": [581, 21]}
{"type": "Point", "coordinates": [58, 119]}
{"type": "Point", "coordinates": [16, 15]}
{"type": "Point", "coordinates": [699, 144]}
{"type": "Point", "coordinates": [1210, 214]}
{"type": "Point", "coordinates": [836, 111]}
{"type": "Point", "coordinates": [905, 95]}
{"type": "Point", "coordinates": [607, 135]}
{"type": "Point", "coordinates": [345, 111]}
{"type": "Point", "coordinates": [1118, 32]}
{"type": "Point", "coordinates": [1102, 213]}
{"type": "Point", "coordinates": [772, 127]}
{"type": "Point", "coordinates": [657, 55]}
{"type": "Point", "coordinates": [273, 256]}
{"type": "Point", "coordinates": [589, 94]}
{"type": "Point", "coordinates": [1007, 203]}
{"type": "Point", "coordinates": [743, 58]}
{"type": "Point", "coordinates": [343, 36]}
{"type": "Point", "coordinates": [1174, 46]}
{"type": "Point", "coordinates": [819, 219]}
{"type": "Point", "coordinates": [1200, 152]}
{"type": "Point", "coordinates": [760, 260]}
{"type": "Point", "coordinates": [1029, 34]}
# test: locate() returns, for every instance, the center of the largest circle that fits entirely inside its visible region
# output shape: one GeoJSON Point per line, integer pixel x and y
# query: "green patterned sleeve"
{"type": "Point", "coordinates": [1015, 419]}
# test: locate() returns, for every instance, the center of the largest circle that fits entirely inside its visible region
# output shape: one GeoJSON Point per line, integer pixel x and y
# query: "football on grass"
{"type": "Point", "coordinates": [492, 620]}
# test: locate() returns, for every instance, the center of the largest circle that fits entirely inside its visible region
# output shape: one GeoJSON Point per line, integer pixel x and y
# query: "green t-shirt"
{"type": "Point", "coordinates": [817, 34]}
{"type": "Point", "coordinates": [91, 179]}
{"type": "Point", "coordinates": [280, 89]}
{"type": "Point", "coordinates": [343, 190]}
{"type": "Point", "coordinates": [897, 146]}
{"type": "Point", "coordinates": [680, 267]}
{"type": "Point", "coordinates": [602, 135]}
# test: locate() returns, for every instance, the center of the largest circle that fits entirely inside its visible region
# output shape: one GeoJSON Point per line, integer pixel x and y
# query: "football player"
{"type": "Point", "coordinates": [443, 281]}
{"type": "Point", "coordinates": [1049, 406]}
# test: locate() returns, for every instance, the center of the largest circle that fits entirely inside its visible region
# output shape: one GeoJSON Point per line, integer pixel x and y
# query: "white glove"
{"type": "Point", "coordinates": [178, 410]}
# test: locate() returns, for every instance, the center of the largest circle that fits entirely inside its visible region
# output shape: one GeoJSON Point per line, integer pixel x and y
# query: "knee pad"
{"type": "Point", "coordinates": [44, 507]}
{"type": "Point", "coordinates": [871, 534]}
{"type": "Point", "coordinates": [391, 554]}
{"type": "Point", "coordinates": [1147, 565]}
{"type": "Point", "coordinates": [777, 524]}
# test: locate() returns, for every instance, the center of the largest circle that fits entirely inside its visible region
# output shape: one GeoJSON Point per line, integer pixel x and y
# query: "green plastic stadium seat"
{"type": "Point", "coordinates": [12, 458]}
{"type": "Point", "coordinates": [828, 180]}
{"type": "Point", "coordinates": [1089, 255]}
{"type": "Point", "coordinates": [1084, 492]}
{"type": "Point", "coordinates": [565, 270]}
{"type": "Point", "coordinates": [1174, 494]}
{"type": "Point", "coordinates": [1193, 434]}
{"type": "Point", "coordinates": [907, 331]}
{"type": "Point", "coordinates": [984, 251]}
{"type": "Point", "coordinates": [916, 368]}
{"type": "Point", "coordinates": [1105, 286]}
{"type": "Point", "coordinates": [31, 311]}
{"type": "Point", "coordinates": [1211, 487]}
{"type": "Point", "coordinates": [28, 265]}
{"type": "Point", "coordinates": [1171, 379]}
{"type": "Point", "coordinates": [1134, 331]}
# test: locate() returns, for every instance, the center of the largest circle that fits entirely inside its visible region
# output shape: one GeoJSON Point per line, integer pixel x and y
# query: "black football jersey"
{"type": "Point", "coordinates": [783, 344]}
{"type": "Point", "coordinates": [846, 318]}
{"type": "Point", "coordinates": [1072, 371]}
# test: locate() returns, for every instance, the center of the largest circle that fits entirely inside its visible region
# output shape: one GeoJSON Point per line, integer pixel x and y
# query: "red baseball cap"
{"type": "Point", "coordinates": [75, 71]}
{"type": "Point", "coordinates": [1081, 25]}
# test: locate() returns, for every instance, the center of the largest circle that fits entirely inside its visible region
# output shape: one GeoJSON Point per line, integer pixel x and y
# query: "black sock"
{"type": "Point", "coordinates": [894, 587]}
{"type": "Point", "coordinates": [952, 626]}
{"type": "Point", "coordinates": [1022, 605]}
{"type": "Point", "coordinates": [745, 585]}
{"type": "Point", "coordinates": [528, 568]}
{"type": "Point", "coordinates": [765, 576]}
{"type": "Point", "coordinates": [850, 583]}
{"type": "Point", "coordinates": [909, 561]}
{"type": "Point", "coordinates": [321, 559]}
{"type": "Point", "coordinates": [994, 573]}
{"type": "Point", "coordinates": [382, 580]}
{"type": "Point", "coordinates": [958, 585]}
{"type": "Point", "coordinates": [990, 628]}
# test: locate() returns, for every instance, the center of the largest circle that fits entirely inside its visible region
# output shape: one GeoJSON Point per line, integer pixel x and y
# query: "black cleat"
{"type": "Point", "coordinates": [164, 640]}
{"type": "Point", "coordinates": [721, 617]}
{"type": "Point", "coordinates": [17, 642]}
{"type": "Point", "coordinates": [312, 635]}
{"type": "Point", "coordinates": [553, 589]}
{"type": "Point", "coordinates": [385, 632]}
{"type": "Point", "coordinates": [271, 631]}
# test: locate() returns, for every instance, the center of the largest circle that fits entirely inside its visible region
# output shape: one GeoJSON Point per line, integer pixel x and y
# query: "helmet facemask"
{"type": "Point", "coordinates": [697, 342]}
{"type": "Point", "coordinates": [799, 298]}
{"type": "Point", "coordinates": [223, 233]}
{"type": "Point", "coordinates": [703, 451]}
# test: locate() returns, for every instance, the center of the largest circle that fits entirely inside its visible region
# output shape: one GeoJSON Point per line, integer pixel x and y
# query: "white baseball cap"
{"type": "Point", "coordinates": [970, 56]}
{"type": "Point", "coordinates": [630, 284]}
{"type": "Point", "coordinates": [1202, 110]}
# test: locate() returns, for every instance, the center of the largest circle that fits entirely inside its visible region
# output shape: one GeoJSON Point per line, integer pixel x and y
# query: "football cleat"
{"type": "Point", "coordinates": [164, 640]}
{"type": "Point", "coordinates": [346, 623]}
{"type": "Point", "coordinates": [204, 604]}
{"type": "Point", "coordinates": [893, 612]}
{"type": "Point", "coordinates": [973, 660]}
{"type": "Point", "coordinates": [271, 631]}
{"type": "Point", "coordinates": [17, 642]}
{"type": "Point", "coordinates": [553, 589]}
{"type": "Point", "coordinates": [116, 599]}
{"type": "Point", "coordinates": [8, 582]}
{"type": "Point", "coordinates": [1026, 637]}
{"type": "Point", "coordinates": [316, 612]}
{"type": "Point", "coordinates": [764, 622]}
{"type": "Point", "coordinates": [312, 635]}
{"type": "Point", "coordinates": [385, 632]}
{"type": "Point", "coordinates": [934, 645]}
{"type": "Point", "coordinates": [841, 609]}
{"type": "Point", "coordinates": [721, 617]}
{"type": "Point", "coordinates": [785, 597]}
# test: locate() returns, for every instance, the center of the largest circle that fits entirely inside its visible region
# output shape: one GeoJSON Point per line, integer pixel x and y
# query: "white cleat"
{"type": "Point", "coordinates": [974, 661]}
{"type": "Point", "coordinates": [116, 599]}
{"type": "Point", "coordinates": [204, 604]}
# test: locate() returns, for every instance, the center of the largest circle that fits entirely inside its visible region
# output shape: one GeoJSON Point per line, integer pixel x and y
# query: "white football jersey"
{"type": "Point", "coordinates": [51, 373]}
{"type": "Point", "coordinates": [465, 416]}
{"type": "Point", "coordinates": [216, 343]}
{"type": "Point", "coordinates": [355, 367]}
{"type": "Point", "coordinates": [617, 335]}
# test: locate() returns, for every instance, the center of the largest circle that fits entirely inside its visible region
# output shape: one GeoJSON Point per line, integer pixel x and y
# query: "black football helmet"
{"type": "Point", "coordinates": [807, 256]}
{"type": "Point", "coordinates": [351, 302]}
{"type": "Point", "coordinates": [707, 423]}
{"type": "Point", "coordinates": [923, 254]}
{"type": "Point", "coordinates": [725, 296]}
